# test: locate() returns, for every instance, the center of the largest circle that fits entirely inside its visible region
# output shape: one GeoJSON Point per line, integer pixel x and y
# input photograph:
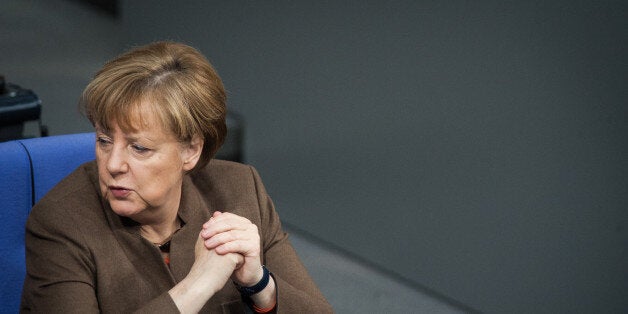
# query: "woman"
{"type": "Point", "coordinates": [153, 225]}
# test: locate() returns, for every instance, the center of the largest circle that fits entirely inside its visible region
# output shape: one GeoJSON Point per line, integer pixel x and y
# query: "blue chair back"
{"type": "Point", "coordinates": [28, 169]}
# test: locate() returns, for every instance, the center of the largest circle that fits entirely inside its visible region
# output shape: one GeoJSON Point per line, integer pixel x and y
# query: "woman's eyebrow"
{"type": "Point", "coordinates": [101, 130]}
{"type": "Point", "coordinates": [137, 137]}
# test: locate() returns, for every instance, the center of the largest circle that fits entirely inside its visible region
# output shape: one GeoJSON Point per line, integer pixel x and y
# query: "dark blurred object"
{"type": "Point", "coordinates": [17, 105]}
{"type": "Point", "coordinates": [233, 149]}
{"type": "Point", "coordinates": [109, 7]}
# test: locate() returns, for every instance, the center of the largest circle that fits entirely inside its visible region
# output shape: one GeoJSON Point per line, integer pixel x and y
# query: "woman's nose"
{"type": "Point", "coordinates": [117, 161]}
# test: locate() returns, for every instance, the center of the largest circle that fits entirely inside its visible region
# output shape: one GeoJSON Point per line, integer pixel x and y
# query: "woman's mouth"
{"type": "Point", "coordinates": [119, 192]}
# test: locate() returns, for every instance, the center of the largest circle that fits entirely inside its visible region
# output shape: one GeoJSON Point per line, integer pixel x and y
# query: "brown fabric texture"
{"type": "Point", "coordinates": [83, 258]}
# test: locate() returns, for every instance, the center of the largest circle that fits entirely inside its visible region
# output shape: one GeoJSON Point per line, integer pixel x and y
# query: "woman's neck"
{"type": "Point", "coordinates": [160, 232]}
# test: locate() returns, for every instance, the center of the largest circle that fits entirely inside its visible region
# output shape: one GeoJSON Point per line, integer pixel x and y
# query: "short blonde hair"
{"type": "Point", "coordinates": [178, 82]}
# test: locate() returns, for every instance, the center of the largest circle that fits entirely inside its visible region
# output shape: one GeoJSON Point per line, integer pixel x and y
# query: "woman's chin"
{"type": "Point", "coordinates": [125, 208]}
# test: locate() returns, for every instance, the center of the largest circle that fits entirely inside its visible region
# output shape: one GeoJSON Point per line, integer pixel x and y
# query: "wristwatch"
{"type": "Point", "coordinates": [249, 291]}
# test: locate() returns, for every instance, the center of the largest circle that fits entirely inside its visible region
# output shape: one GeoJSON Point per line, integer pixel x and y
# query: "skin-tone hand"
{"type": "Point", "coordinates": [227, 233]}
{"type": "Point", "coordinates": [210, 272]}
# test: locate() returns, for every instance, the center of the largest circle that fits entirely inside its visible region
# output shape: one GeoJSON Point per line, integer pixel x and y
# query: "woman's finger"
{"type": "Point", "coordinates": [225, 222]}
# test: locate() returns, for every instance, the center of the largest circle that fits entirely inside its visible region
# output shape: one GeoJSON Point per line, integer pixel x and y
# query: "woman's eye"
{"type": "Point", "coordinates": [140, 148]}
{"type": "Point", "coordinates": [103, 141]}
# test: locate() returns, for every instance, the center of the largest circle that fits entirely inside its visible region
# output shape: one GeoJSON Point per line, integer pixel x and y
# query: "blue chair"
{"type": "Point", "coordinates": [28, 169]}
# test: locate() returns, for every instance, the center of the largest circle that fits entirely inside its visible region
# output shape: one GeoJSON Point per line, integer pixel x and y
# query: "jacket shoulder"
{"type": "Point", "coordinates": [217, 166]}
{"type": "Point", "coordinates": [224, 183]}
{"type": "Point", "coordinates": [73, 195]}
{"type": "Point", "coordinates": [225, 172]}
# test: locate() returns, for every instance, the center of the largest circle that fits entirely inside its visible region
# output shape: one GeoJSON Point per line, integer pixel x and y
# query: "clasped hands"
{"type": "Point", "coordinates": [228, 246]}
{"type": "Point", "coordinates": [236, 242]}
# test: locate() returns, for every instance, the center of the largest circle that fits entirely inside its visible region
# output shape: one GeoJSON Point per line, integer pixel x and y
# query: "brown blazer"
{"type": "Point", "coordinates": [81, 257]}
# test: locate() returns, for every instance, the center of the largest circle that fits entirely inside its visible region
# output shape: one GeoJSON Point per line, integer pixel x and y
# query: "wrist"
{"type": "Point", "coordinates": [266, 300]}
{"type": "Point", "coordinates": [199, 281]}
{"type": "Point", "coordinates": [258, 286]}
{"type": "Point", "coordinates": [192, 293]}
{"type": "Point", "coordinates": [252, 280]}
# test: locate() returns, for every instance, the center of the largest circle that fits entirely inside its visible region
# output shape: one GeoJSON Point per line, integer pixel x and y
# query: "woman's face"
{"type": "Point", "coordinates": [141, 173]}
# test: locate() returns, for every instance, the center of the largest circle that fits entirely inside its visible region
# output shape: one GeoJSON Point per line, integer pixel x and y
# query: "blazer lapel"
{"type": "Point", "coordinates": [194, 213]}
{"type": "Point", "coordinates": [144, 256]}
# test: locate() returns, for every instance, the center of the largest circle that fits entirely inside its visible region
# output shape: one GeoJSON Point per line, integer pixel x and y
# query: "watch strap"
{"type": "Point", "coordinates": [249, 291]}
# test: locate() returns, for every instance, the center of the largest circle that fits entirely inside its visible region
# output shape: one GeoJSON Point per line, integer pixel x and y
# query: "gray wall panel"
{"type": "Point", "coordinates": [476, 148]}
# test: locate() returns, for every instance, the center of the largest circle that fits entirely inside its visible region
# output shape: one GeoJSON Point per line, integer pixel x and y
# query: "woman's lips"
{"type": "Point", "coordinates": [119, 192]}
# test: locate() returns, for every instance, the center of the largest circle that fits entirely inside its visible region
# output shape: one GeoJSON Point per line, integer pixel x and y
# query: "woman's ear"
{"type": "Point", "coordinates": [192, 153]}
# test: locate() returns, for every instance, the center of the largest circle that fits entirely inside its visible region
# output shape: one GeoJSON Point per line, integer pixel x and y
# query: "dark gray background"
{"type": "Point", "coordinates": [477, 148]}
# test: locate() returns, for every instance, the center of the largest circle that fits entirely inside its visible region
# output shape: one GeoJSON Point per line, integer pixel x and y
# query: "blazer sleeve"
{"type": "Point", "coordinates": [58, 266]}
{"type": "Point", "coordinates": [296, 291]}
